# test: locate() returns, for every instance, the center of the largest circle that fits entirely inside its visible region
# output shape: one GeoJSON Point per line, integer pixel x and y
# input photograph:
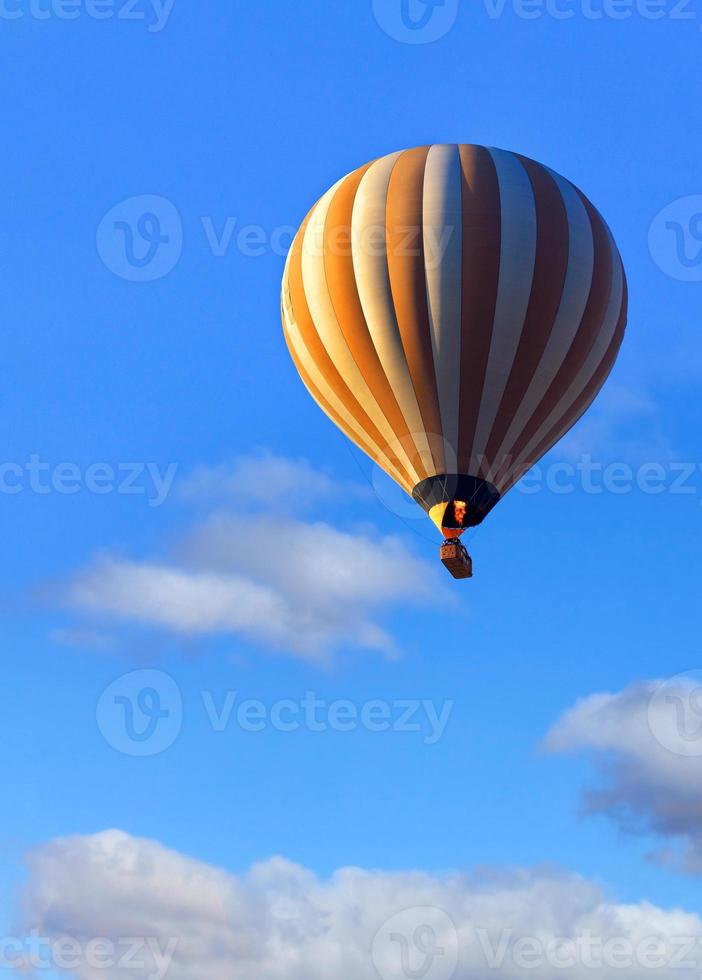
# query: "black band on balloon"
{"type": "Point", "coordinates": [456, 489]}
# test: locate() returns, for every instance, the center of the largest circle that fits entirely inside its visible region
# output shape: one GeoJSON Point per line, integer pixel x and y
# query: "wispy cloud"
{"type": "Point", "coordinates": [80, 638]}
{"type": "Point", "coordinates": [646, 744]}
{"type": "Point", "coordinates": [306, 588]}
{"type": "Point", "coordinates": [280, 921]}
{"type": "Point", "coordinates": [624, 424]}
{"type": "Point", "coordinates": [260, 479]}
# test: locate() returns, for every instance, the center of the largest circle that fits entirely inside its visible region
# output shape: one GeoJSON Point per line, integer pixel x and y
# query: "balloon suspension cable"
{"type": "Point", "coordinates": [410, 527]}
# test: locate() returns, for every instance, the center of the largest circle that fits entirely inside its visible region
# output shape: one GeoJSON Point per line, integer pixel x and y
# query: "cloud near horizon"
{"type": "Point", "coordinates": [279, 921]}
{"type": "Point", "coordinates": [302, 587]}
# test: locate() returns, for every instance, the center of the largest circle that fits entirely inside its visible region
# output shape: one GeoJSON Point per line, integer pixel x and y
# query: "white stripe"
{"type": "Point", "coordinates": [443, 248]}
{"type": "Point", "coordinates": [369, 250]}
{"type": "Point", "coordinates": [517, 258]}
{"type": "Point", "coordinates": [576, 292]}
{"type": "Point", "coordinates": [350, 426]}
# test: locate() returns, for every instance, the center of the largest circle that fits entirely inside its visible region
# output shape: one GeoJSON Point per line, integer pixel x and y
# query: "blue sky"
{"type": "Point", "coordinates": [247, 112]}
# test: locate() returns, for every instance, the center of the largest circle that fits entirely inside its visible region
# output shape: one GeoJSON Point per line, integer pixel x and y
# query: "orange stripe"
{"type": "Point", "coordinates": [481, 273]}
{"type": "Point", "coordinates": [319, 354]}
{"type": "Point", "coordinates": [405, 254]}
{"type": "Point", "coordinates": [341, 282]}
{"type": "Point", "coordinates": [326, 407]}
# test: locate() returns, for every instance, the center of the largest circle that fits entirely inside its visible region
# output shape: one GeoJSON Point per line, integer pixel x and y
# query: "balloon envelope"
{"type": "Point", "coordinates": [454, 310]}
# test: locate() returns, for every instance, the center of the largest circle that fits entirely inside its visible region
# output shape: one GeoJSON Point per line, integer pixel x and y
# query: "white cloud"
{"type": "Point", "coordinates": [261, 479]}
{"type": "Point", "coordinates": [646, 743]}
{"type": "Point", "coordinates": [306, 588]}
{"type": "Point", "coordinates": [281, 922]}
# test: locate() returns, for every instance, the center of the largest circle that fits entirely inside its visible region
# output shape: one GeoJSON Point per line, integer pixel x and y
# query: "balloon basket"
{"type": "Point", "coordinates": [455, 557]}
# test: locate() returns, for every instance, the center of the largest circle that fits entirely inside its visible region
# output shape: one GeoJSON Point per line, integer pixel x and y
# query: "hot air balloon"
{"type": "Point", "coordinates": [454, 309]}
